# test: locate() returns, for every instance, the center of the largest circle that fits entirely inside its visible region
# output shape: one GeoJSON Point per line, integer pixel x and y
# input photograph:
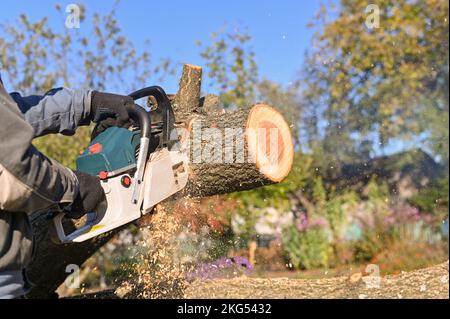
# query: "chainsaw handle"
{"type": "Point", "coordinates": [156, 91]}
{"type": "Point", "coordinates": [163, 104]}
{"type": "Point", "coordinates": [81, 232]}
{"type": "Point", "coordinates": [143, 117]}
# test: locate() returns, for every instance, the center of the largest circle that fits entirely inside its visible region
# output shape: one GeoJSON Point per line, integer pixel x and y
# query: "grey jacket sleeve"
{"type": "Point", "coordinates": [29, 181]}
{"type": "Point", "coordinates": [60, 110]}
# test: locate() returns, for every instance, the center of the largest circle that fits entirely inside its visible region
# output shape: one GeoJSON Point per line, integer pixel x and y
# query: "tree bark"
{"type": "Point", "coordinates": [236, 151]}
{"type": "Point", "coordinates": [187, 100]}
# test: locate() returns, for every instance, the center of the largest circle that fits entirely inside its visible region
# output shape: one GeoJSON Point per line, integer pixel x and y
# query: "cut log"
{"type": "Point", "coordinates": [236, 151]}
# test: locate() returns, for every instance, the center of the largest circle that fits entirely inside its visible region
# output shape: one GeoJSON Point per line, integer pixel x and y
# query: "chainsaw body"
{"type": "Point", "coordinates": [136, 167]}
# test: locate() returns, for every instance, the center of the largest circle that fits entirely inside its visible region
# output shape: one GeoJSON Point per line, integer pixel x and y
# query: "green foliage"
{"type": "Point", "coordinates": [377, 192]}
{"type": "Point", "coordinates": [375, 85]}
{"type": "Point", "coordinates": [332, 206]}
{"type": "Point", "coordinates": [376, 235]}
{"type": "Point", "coordinates": [318, 193]}
{"type": "Point", "coordinates": [385, 225]}
{"type": "Point", "coordinates": [34, 57]}
{"type": "Point", "coordinates": [433, 199]}
{"type": "Point", "coordinates": [277, 196]}
{"type": "Point", "coordinates": [64, 149]}
{"type": "Point", "coordinates": [306, 249]}
{"type": "Point", "coordinates": [378, 223]}
{"type": "Point", "coordinates": [366, 248]}
{"type": "Point", "coordinates": [335, 210]}
{"type": "Point", "coordinates": [231, 67]}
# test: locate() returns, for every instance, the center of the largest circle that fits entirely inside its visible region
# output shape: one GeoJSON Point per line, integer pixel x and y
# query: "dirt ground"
{"type": "Point", "coordinates": [431, 282]}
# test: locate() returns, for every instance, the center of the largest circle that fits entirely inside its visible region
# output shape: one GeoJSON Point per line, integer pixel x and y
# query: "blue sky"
{"type": "Point", "coordinates": [280, 35]}
{"type": "Point", "coordinates": [279, 31]}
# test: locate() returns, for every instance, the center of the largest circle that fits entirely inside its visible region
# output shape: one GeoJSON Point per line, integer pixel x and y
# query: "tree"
{"type": "Point", "coordinates": [377, 84]}
{"type": "Point", "coordinates": [232, 67]}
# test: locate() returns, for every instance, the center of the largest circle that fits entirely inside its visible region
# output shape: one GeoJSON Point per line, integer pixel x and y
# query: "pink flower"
{"type": "Point", "coordinates": [304, 223]}
{"type": "Point", "coordinates": [318, 222]}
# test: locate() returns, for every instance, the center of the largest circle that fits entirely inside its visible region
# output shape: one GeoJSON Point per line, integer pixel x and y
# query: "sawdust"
{"type": "Point", "coordinates": [428, 283]}
{"type": "Point", "coordinates": [155, 273]}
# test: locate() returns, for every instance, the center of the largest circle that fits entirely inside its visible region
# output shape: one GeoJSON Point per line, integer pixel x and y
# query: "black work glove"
{"type": "Point", "coordinates": [90, 195]}
{"type": "Point", "coordinates": [109, 110]}
{"type": "Point", "coordinates": [108, 122]}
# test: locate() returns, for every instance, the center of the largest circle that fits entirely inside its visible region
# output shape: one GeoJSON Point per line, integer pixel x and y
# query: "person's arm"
{"type": "Point", "coordinates": [60, 110]}
{"type": "Point", "coordinates": [29, 181]}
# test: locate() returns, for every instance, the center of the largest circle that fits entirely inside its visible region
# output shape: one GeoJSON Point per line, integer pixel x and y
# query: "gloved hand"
{"type": "Point", "coordinates": [90, 195]}
{"type": "Point", "coordinates": [108, 122]}
{"type": "Point", "coordinates": [109, 110]}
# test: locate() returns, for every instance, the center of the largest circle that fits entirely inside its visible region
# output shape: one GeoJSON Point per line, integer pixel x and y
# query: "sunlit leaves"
{"type": "Point", "coordinates": [36, 56]}
{"type": "Point", "coordinates": [383, 81]}
{"type": "Point", "coordinates": [231, 67]}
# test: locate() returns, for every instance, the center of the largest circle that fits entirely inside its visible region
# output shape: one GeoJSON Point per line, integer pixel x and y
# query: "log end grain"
{"type": "Point", "coordinates": [269, 142]}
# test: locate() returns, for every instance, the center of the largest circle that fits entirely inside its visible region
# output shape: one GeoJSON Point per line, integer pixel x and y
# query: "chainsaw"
{"type": "Point", "coordinates": [138, 168]}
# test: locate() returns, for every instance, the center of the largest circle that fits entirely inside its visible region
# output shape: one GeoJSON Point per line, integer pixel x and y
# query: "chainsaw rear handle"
{"type": "Point", "coordinates": [156, 91]}
{"type": "Point", "coordinates": [163, 104]}
{"type": "Point", "coordinates": [142, 116]}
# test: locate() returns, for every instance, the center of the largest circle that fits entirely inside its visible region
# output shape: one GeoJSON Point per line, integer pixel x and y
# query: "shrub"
{"type": "Point", "coordinates": [433, 199]}
{"type": "Point", "coordinates": [306, 244]}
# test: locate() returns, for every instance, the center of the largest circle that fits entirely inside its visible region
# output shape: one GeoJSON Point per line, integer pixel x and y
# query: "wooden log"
{"type": "Point", "coordinates": [187, 99]}
{"type": "Point", "coordinates": [236, 151]}
{"type": "Point", "coordinates": [210, 104]}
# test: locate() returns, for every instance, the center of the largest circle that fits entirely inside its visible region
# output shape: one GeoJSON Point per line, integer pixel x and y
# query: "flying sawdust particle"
{"type": "Point", "coordinates": [155, 273]}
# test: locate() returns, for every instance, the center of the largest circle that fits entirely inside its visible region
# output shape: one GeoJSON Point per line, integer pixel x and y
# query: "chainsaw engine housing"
{"type": "Point", "coordinates": [113, 151]}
